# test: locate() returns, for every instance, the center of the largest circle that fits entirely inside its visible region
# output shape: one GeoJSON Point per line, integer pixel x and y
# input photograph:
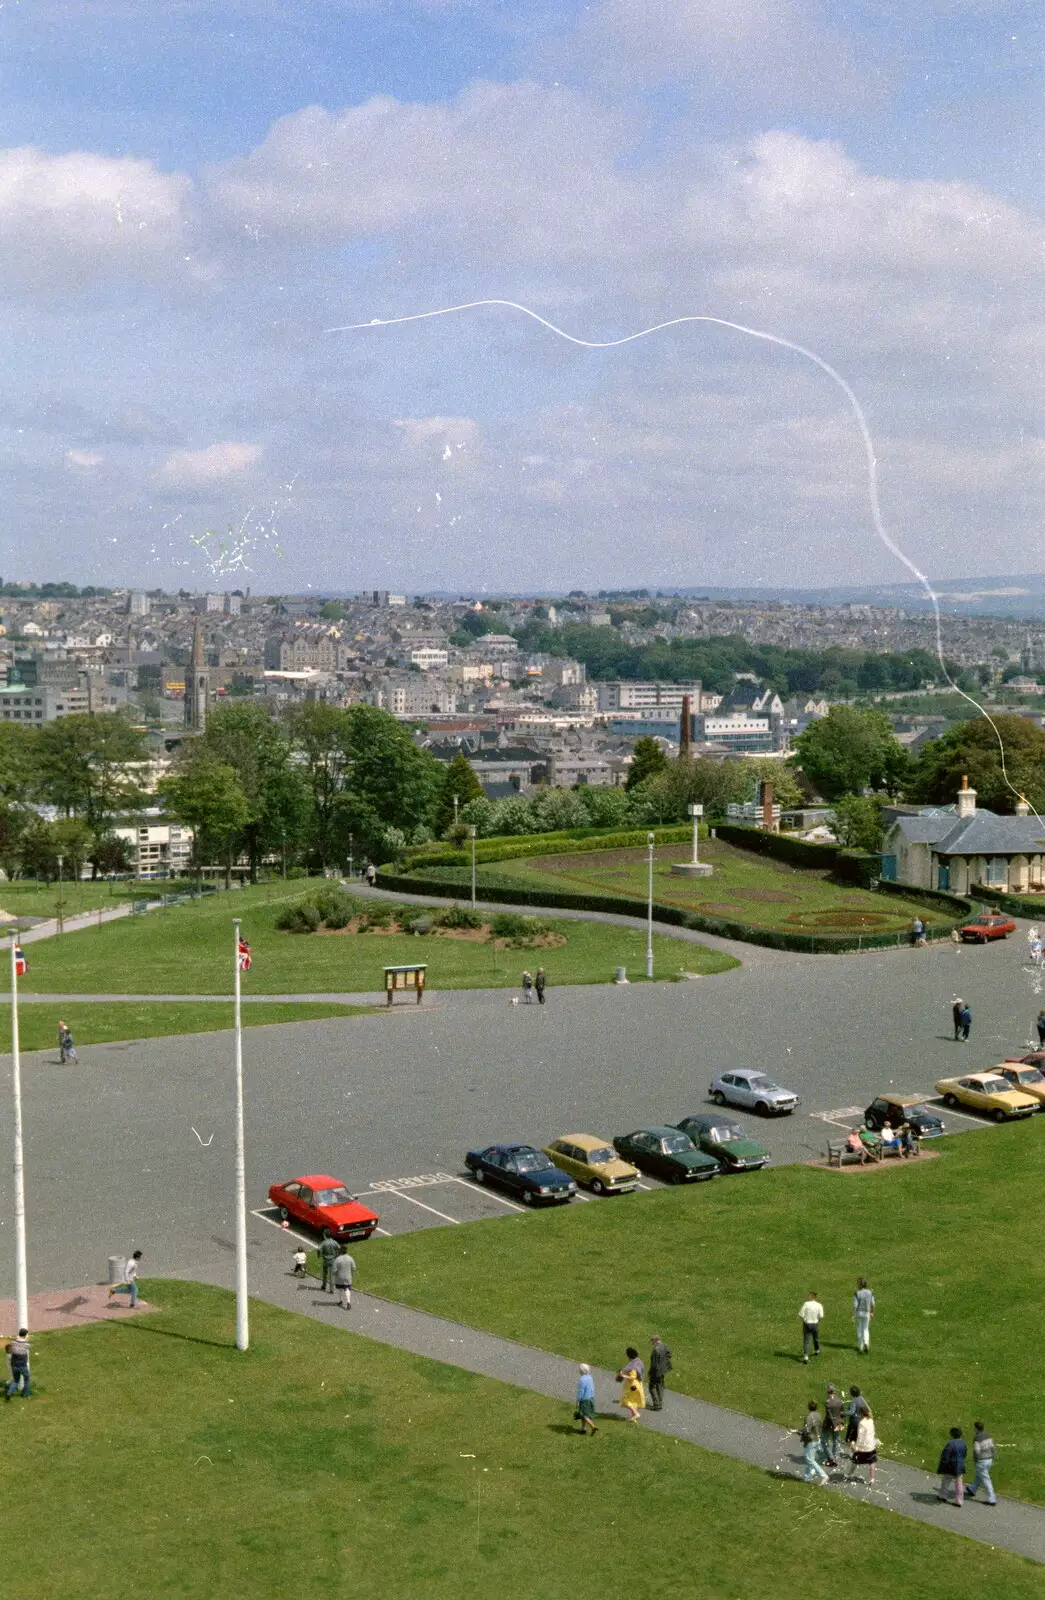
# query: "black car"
{"type": "Point", "coordinates": [726, 1140]}
{"type": "Point", "coordinates": [521, 1170]}
{"type": "Point", "coordinates": [894, 1110]}
{"type": "Point", "coordinates": [666, 1153]}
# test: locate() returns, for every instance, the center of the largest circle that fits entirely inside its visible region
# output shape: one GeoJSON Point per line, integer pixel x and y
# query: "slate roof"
{"type": "Point", "coordinates": [984, 834]}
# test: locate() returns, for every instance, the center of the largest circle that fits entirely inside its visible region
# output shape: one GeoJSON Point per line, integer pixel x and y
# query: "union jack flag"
{"type": "Point", "coordinates": [21, 964]}
{"type": "Point", "coordinates": [243, 956]}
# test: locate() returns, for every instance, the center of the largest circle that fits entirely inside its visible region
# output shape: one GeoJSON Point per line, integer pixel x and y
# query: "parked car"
{"type": "Point", "coordinates": [666, 1153]}
{"type": "Point", "coordinates": [521, 1170]}
{"type": "Point", "coordinates": [988, 925]}
{"type": "Point", "coordinates": [986, 1091]}
{"type": "Point", "coordinates": [726, 1141]}
{"type": "Point", "coordinates": [1036, 1058]}
{"type": "Point", "coordinates": [1029, 1079]}
{"type": "Point", "coordinates": [323, 1203]}
{"type": "Point", "coordinates": [894, 1110]}
{"type": "Point", "coordinates": [743, 1086]}
{"type": "Point", "coordinates": [593, 1162]}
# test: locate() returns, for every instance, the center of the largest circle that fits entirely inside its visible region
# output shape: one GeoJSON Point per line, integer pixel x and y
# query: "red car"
{"type": "Point", "coordinates": [323, 1203]}
{"type": "Point", "coordinates": [988, 925]}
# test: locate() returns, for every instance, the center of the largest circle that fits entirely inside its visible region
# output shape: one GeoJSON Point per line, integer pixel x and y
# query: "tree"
{"type": "Point", "coordinates": [858, 821]}
{"type": "Point", "coordinates": [972, 749]}
{"type": "Point", "coordinates": [389, 771]}
{"type": "Point", "coordinates": [247, 739]}
{"type": "Point", "coordinates": [320, 735]}
{"type": "Point", "coordinates": [459, 783]}
{"type": "Point", "coordinates": [109, 853]}
{"type": "Point", "coordinates": [647, 759]}
{"type": "Point", "coordinates": [207, 794]}
{"type": "Point", "coordinates": [787, 792]}
{"type": "Point", "coordinates": [19, 753]}
{"type": "Point", "coordinates": [849, 751]}
{"type": "Point", "coordinates": [85, 766]}
{"type": "Point", "coordinates": [713, 784]}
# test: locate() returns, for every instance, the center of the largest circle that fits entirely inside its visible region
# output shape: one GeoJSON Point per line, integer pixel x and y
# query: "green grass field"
{"type": "Point", "coordinates": [951, 1247]}
{"type": "Point", "coordinates": [154, 1459]}
{"type": "Point", "coordinates": [103, 1024]}
{"type": "Point", "coordinates": [188, 950]}
{"type": "Point", "coordinates": [744, 887]}
{"type": "Point", "coordinates": [27, 897]}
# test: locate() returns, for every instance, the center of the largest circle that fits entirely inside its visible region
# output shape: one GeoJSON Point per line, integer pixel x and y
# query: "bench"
{"type": "Point", "coordinates": [840, 1155]}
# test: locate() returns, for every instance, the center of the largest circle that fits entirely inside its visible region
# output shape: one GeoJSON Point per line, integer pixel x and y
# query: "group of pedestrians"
{"type": "Point", "coordinates": [811, 1314]}
{"type": "Point", "coordinates": [823, 1434]}
{"type": "Point", "coordinates": [961, 1015]}
{"type": "Point", "coordinates": [641, 1385]}
{"type": "Point", "coordinates": [953, 1458]}
{"type": "Point", "coordinates": [534, 984]}
{"type": "Point", "coordinates": [339, 1269]}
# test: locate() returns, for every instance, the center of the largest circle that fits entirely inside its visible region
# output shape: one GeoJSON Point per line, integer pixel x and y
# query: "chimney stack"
{"type": "Point", "coordinates": [767, 808]}
{"type": "Point", "coordinates": [685, 729]}
{"type": "Point", "coordinates": [1023, 806]}
{"type": "Point", "coordinates": [966, 800]}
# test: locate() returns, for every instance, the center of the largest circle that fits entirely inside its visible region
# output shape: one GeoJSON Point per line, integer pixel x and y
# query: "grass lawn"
{"type": "Point", "coordinates": [154, 1459]}
{"type": "Point", "coordinates": [745, 887]}
{"type": "Point", "coordinates": [27, 897]}
{"type": "Point", "coordinates": [720, 1272]}
{"type": "Point", "coordinates": [188, 950]}
{"type": "Point", "coordinates": [101, 1024]}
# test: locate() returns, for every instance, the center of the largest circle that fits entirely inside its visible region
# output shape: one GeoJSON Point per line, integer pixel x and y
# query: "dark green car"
{"type": "Point", "coordinates": [666, 1153]}
{"type": "Point", "coordinates": [726, 1142]}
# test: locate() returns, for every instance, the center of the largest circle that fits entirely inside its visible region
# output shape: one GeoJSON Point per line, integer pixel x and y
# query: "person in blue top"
{"type": "Point", "coordinates": [952, 1469]}
{"type": "Point", "coordinates": [585, 1411]}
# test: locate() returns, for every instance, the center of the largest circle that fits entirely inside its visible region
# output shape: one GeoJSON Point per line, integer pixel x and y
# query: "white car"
{"type": "Point", "coordinates": [746, 1087]}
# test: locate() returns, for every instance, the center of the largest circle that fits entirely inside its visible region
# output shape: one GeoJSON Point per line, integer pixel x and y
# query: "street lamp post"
{"type": "Point", "coordinates": [60, 907]}
{"type": "Point", "coordinates": [455, 811]}
{"type": "Point", "coordinates": [649, 910]}
{"type": "Point", "coordinates": [21, 1280]}
{"type": "Point", "coordinates": [696, 812]}
{"type": "Point", "coordinates": [471, 835]}
{"type": "Point", "coordinates": [351, 842]}
{"type": "Point", "coordinates": [242, 1327]}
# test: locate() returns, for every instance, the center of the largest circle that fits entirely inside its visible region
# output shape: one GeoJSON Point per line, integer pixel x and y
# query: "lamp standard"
{"type": "Point", "coordinates": [60, 907]}
{"type": "Point", "coordinates": [21, 1285]}
{"type": "Point", "coordinates": [696, 812]}
{"type": "Point", "coordinates": [455, 811]}
{"type": "Point", "coordinates": [471, 835]}
{"type": "Point", "coordinates": [242, 1314]}
{"type": "Point", "coordinates": [649, 910]}
{"type": "Point", "coordinates": [351, 842]}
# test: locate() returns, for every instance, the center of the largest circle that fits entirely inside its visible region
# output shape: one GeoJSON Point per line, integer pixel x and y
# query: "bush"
{"type": "Point", "coordinates": [509, 925]}
{"type": "Point", "coordinates": [301, 918]}
{"type": "Point", "coordinates": [418, 922]}
{"type": "Point", "coordinates": [459, 917]}
{"type": "Point", "coordinates": [340, 914]}
{"type": "Point", "coordinates": [376, 915]}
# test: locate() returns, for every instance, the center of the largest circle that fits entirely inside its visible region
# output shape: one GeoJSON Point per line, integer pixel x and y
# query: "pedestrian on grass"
{"type": "Point", "coordinates": [66, 1048]}
{"type": "Point", "coordinates": [329, 1251]}
{"type": "Point", "coordinates": [812, 1315]}
{"type": "Point", "coordinates": [856, 1409]}
{"type": "Point", "coordinates": [952, 1469]}
{"type": "Point", "coordinates": [344, 1272]}
{"type": "Point", "coordinates": [966, 1021]}
{"type": "Point", "coordinates": [630, 1376]}
{"type": "Point", "coordinates": [300, 1259]}
{"type": "Point", "coordinates": [527, 987]}
{"type": "Point", "coordinates": [1040, 1023]}
{"type": "Point", "coordinates": [833, 1425]}
{"type": "Point", "coordinates": [809, 1433]}
{"type": "Point", "coordinates": [585, 1408]}
{"type": "Point", "coordinates": [865, 1448]}
{"type": "Point", "coordinates": [18, 1360]}
{"type": "Point", "coordinates": [129, 1283]}
{"type": "Point", "coordinates": [910, 1144]}
{"type": "Point", "coordinates": [983, 1460]}
{"type": "Point", "coordinates": [540, 983]}
{"type": "Point", "coordinates": [956, 1014]}
{"type": "Point", "coordinates": [863, 1311]}
{"type": "Point", "coordinates": [659, 1367]}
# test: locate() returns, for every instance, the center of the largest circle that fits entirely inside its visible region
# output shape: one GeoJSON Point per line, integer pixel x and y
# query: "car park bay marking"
{"type": "Point", "coordinates": [489, 1192]}
{"type": "Point", "coordinates": [422, 1181]}
{"type": "Point", "coordinates": [273, 1223]}
{"type": "Point", "coordinates": [840, 1118]}
{"type": "Point", "coordinates": [403, 1196]}
{"type": "Point", "coordinates": [952, 1111]}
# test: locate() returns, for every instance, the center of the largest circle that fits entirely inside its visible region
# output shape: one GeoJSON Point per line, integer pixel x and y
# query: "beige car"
{"type": "Point", "coordinates": [1029, 1080]}
{"type": "Point", "coordinates": [593, 1162]}
{"type": "Point", "coordinates": [987, 1092]}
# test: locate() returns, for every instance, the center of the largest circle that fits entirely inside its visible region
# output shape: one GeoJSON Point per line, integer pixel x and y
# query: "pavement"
{"type": "Point", "coordinates": [1010, 1525]}
{"type": "Point", "coordinates": [70, 1308]}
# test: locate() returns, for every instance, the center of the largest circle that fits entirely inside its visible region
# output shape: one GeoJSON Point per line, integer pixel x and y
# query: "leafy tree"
{"type": "Point", "coordinates": [332, 611]}
{"type": "Point", "coordinates": [85, 766]}
{"type": "Point", "coordinates": [459, 781]}
{"type": "Point", "coordinates": [72, 840]}
{"type": "Point", "coordinates": [247, 739]}
{"type": "Point", "coordinates": [389, 772]}
{"type": "Point", "coordinates": [858, 821]}
{"type": "Point", "coordinates": [787, 792]}
{"type": "Point", "coordinates": [320, 735]}
{"type": "Point", "coordinates": [19, 753]}
{"type": "Point", "coordinates": [713, 784]}
{"type": "Point", "coordinates": [605, 807]}
{"type": "Point", "coordinates": [206, 794]}
{"type": "Point", "coordinates": [849, 751]}
{"type": "Point", "coordinates": [109, 853]}
{"type": "Point", "coordinates": [648, 758]}
{"type": "Point", "coordinates": [972, 749]}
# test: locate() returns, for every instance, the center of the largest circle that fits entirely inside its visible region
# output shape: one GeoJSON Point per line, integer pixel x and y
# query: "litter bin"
{"type": "Point", "coordinates": [622, 975]}
{"type": "Point", "coordinates": [116, 1266]}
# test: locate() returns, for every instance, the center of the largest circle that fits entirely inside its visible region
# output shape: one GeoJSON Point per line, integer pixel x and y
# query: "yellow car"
{"type": "Point", "coordinates": [986, 1091]}
{"type": "Point", "coordinates": [593, 1162]}
{"type": "Point", "coordinates": [1028, 1079]}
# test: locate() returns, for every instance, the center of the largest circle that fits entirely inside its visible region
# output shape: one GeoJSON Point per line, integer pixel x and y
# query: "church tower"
{"type": "Point", "coordinates": [197, 684]}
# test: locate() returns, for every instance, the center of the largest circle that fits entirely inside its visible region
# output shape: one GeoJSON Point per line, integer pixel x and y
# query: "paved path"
{"type": "Point", "coordinates": [355, 998]}
{"type": "Point", "coordinates": [82, 920]}
{"type": "Point", "coordinates": [1010, 1525]}
{"type": "Point", "coordinates": [70, 1308]}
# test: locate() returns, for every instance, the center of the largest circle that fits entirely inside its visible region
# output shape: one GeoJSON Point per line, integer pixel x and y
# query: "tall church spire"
{"type": "Point", "coordinates": [197, 684]}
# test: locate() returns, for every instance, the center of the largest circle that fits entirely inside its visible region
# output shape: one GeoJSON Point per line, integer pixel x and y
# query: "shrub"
{"type": "Point", "coordinates": [418, 922]}
{"type": "Point", "coordinates": [510, 925]}
{"type": "Point", "coordinates": [340, 914]}
{"type": "Point", "coordinates": [459, 917]}
{"type": "Point", "coordinates": [300, 918]}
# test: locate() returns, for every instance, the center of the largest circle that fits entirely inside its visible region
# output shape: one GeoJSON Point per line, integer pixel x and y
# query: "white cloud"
{"type": "Point", "coordinates": [212, 466]}
{"type": "Point", "coordinates": [449, 433]}
{"type": "Point", "coordinates": [83, 460]}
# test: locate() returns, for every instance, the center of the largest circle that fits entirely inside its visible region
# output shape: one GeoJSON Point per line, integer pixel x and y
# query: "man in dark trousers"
{"type": "Point", "coordinates": [952, 1469]}
{"type": "Point", "coordinates": [18, 1356]}
{"type": "Point", "coordinates": [540, 983]}
{"type": "Point", "coordinates": [966, 1021]}
{"type": "Point", "coordinates": [329, 1251]}
{"type": "Point", "coordinates": [659, 1367]}
{"type": "Point", "coordinates": [956, 1015]}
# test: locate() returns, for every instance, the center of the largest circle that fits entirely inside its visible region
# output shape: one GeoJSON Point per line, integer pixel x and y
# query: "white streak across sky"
{"type": "Point", "coordinates": [766, 338]}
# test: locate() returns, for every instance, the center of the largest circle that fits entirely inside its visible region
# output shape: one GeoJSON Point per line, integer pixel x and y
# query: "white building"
{"type": "Point", "coordinates": [664, 697]}
{"type": "Point", "coordinates": [955, 848]}
{"type": "Point", "coordinates": [428, 656]}
{"type": "Point", "coordinates": [138, 603]}
{"type": "Point", "coordinates": [158, 849]}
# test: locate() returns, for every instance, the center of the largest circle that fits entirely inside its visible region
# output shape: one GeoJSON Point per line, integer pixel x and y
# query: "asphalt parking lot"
{"type": "Point", "coordinates": [134, 1147]}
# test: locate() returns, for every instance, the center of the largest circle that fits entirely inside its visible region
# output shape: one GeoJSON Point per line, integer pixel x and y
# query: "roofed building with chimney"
{"type": "Point", "coordinates": [954, 848]}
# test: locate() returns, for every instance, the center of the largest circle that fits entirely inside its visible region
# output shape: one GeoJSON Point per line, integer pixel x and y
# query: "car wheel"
{"type": "Point", "coordinates": [761, 1108]}
{"type": "Point", "coordinates": [479, 1175]}
{"type": "Point", "coordinates": [1000, 1116]}
{"type": "Point", "coordinates": [598, 1187]}
{"type": "Point", "coordinates": [719, 1098]}
{"type": "Point", "coordinates": [950, 1100]}
{"type": "Point", "coordinates": [527, 1198]}
{"type": "Point", "coordinates": [284, 1213]}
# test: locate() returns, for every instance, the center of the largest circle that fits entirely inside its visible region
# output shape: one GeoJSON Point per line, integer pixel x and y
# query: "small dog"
{"type": "Point", "coordinates": [515, 999]}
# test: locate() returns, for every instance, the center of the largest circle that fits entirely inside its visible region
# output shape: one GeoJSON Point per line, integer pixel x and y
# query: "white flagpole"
{"type": "Point", "coordinates": [242, 1330]}
{"type": "Point", "coordinates": [21, 1281]}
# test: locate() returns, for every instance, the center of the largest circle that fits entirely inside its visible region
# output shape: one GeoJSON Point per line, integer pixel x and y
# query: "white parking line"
{"type": "Point", "coordinates": [413, 1202]}
{"type": "Point", "coordinates": [484, 1190]}
{"type": "Point", "coordinates": [273, 1224]}
{"type": "Point", "coordinates": [952, 1111]}
{"type": "Point", "coordinates": [647, 1186]}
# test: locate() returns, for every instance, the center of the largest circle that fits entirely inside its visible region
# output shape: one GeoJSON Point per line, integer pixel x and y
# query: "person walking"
{"type": "Point", "coordinates": [952, 1469]}
{"type": "Point", "coordinates": [983, 1461]}
{"type": "Point", "coordinates": [300, 1260]}
{"type": "Point", "coordinates": [865, 1448]}
{"type": "Point", "coordinates": [812, 1315]}
{"type": "Point", "coordinates": [329, 1250]}
{"type": "Point", "coordinates": [630, 1376]}
{"type": "Point", "coordinates": [917, 931]}
{"type": "Point", "coordinates": [659, 1367]}
{"type": "Point", "coordinates": [966, 1021]}
{"type": "Point", "coordinates": [18, 1358]}
{"type": "Point", "coordinates": [66, 1048]}
{"type": "Point", "coordinates": [585, 1408]}
{"type": "Point", "coordinates": [833, 1425]}
{"type": "Point", "coordinates": [863, 1311]}
{"type": "Point", "coordinates": [527, 987]}
{"type": "Point", "coordinates": [1040, 1024]}
{"type": "Point", "coordinates": [856, 1409]}
{"type": "Point", "coordinates": [956, 1015]}
{"type": "Point", "coordinates": [540, 983]}
{"type": "Point", "coordinates": [129, 1284]}
{"type": "Point", "coordinates": [344, 1272]}
{"type": "Point", "coordinates": [809, 1433]}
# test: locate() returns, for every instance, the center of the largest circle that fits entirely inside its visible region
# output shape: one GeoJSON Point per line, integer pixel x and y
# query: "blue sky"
{"type": "Point", "coordinates": [192, 193]}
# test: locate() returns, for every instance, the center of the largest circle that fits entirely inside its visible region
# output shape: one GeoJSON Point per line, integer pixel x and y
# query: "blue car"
{"type": "Point", "coordinates": [523, 1171]}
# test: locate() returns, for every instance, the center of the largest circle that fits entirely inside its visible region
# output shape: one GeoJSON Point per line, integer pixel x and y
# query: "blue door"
{"type": "Point", "coordinates": [889, 868]}
{"type": "Point", "coordinates": [945, 877]}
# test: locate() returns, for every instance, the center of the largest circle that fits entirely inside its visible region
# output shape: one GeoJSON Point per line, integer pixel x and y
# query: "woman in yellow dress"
{"type": "Point", "coordinates": [630, 1376]}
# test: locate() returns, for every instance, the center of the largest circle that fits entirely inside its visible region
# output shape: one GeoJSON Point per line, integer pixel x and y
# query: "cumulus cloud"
{"type": "Point", "coordinates": [202, 469]}
{"type": "Point", "coordinates": [83, 460]}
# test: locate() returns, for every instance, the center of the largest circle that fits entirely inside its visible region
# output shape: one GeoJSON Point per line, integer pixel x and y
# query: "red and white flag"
{"type": "Point", "coordinates": [21, 964]}
{"type": "Point", "coordinates": [243, 956]}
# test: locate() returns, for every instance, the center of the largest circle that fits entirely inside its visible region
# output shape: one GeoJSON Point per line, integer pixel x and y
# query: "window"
{"type": "Point", "coordinates": [996, 870]}
{"type": "Point", "coordinates": [305, 1195]}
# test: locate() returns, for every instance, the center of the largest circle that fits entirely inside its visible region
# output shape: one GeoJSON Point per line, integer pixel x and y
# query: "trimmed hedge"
{"type": "Point", "coordinates": [773, 938]}
{"type": "Point", "coordinates": [1017, 905]}
{"type": "Point", "coordinates": [937, 897]}
{"type": "Point", "coordinates": [507, 846]}
{"type": "Point", "coordinates": [798, 852]}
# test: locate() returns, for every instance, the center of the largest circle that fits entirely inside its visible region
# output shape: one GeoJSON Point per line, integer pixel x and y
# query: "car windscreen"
{"type": "Point", "coordinates": [731, 1130]}
{"type": "Point", "coordinates": [595, 1158]}
{"type": "Point", "coordinates": [1031, 1075]}
{"type": "Point", "coordinates": [993, 1086]}
{"type": "Point", "coordinates": [529, 1161]}
{"type": "Point", "coordinates": [333, 1197]}
{"type": "Point", "coordinates": [676, 1145]}
{"type": "Point", "coordinates": [921, 1111]}
{"type": "Point", "coordinates": [764, 1083]}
